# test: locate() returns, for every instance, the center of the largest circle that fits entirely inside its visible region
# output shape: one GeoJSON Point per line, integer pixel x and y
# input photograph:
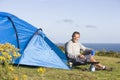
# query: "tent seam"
{"type": "Point", "coordinates": [18, 44]}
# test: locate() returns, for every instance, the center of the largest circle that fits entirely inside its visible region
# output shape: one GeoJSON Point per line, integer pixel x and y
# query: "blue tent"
{"type": "Point", "coordinates": [36, 49]}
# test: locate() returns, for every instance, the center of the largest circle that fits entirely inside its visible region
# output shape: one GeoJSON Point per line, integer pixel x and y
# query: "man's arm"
{"type": "Point", "coordinates": [82, 47]}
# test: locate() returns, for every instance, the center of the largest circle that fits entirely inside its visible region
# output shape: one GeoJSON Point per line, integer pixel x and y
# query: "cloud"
{"type": "Point", "coordinates": [70, 21]}
{"type": "Point", "coordinates": [90, 26]}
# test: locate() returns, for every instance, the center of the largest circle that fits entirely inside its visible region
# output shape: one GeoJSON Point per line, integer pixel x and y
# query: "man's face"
{"type": "Point", "coordinates": [75, 38]}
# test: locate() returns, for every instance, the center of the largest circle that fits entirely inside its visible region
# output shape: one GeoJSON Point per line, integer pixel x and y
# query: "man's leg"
{"type": "Point", "coordinates": [100, 65]}
{"type": "Point", "coordinates": [92, 59]}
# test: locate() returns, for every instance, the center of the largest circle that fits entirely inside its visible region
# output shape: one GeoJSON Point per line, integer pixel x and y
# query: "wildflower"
{"type": "Point", "coordinates": [24, 77]}
{"type": "Point", "coordinates": [16, 49]}
{"type": "Point", "coordinates": [18, 54]}
{"type": "Point", "coordinates": [2, 58]}
{"type": "Point", "coordinates": [11, 69]}
{"type": "Point", "coordinates": [41, 70]}
{"type": "Point", "coordinates": [8, 45]}
{"type": "Point", "coordinates": [1, 49]}
{"type": "Point", "coordinates": [15, 78]}
{"type": "Point", "coordinates": [4, 53]}
{"type": "Point", "coordinates": [9, 57]}
{"type": "Point", "coordinates": [15, 54]}
{"type": "Point", "coordinates": [7, 54]}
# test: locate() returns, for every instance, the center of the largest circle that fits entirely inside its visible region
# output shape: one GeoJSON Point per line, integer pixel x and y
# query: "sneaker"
{"type": "Point", "coordinates": [107, 69]}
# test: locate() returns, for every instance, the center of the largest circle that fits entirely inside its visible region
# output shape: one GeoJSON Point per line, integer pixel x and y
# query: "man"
{"type": "Point", "coordinates": [73, 49]}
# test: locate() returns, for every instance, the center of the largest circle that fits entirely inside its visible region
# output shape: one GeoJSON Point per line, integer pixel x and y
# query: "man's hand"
{"type": "Point", "coordinates": [81, 56]}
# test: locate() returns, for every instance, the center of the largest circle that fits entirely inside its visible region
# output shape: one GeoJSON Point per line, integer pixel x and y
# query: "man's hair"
{"type": "Point", "coordinates": [76, 32]}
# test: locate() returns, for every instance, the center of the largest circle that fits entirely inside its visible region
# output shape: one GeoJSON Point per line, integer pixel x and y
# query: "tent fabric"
{"type": "Point", "coordinates": [24, 31]}
{"type": "Point", "coordinates": [35, 48]}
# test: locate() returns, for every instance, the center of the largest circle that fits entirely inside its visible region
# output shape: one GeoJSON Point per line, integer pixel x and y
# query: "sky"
{"type": "Point", "coordinates": [98, 21]}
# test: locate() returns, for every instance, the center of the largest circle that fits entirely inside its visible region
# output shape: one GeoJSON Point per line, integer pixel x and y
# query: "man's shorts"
{"type": "Point", "coordinates": [86, 59]}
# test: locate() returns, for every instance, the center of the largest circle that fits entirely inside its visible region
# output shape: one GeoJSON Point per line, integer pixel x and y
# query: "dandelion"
{"type": "Point", "coordinates": [15, 54]}
{"type": "Point", "coordinates": [24, 77]}
{"type": "Point", "coordinates": [8, 45]}
{"type": "Point", "coordinates": [1, 49]}
{"type": "Point", "coordinates": [4, 53]}
{"type": "Point", "coordinates": [41, 70]}
{"type": "Point", "coordinates": [15, 78]}
{"type": "Point", "coordinates": [11, 69]}
{"type": "Point", "coordinates": [8, 53]}
{"type": "Point", "coordinates": [9, 57]}
{"type": "Point", "coordinates": [2, 58]}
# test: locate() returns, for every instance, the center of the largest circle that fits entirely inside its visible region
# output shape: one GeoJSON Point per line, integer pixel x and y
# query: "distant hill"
{"type": "Point", "coordinates": [60, 44]}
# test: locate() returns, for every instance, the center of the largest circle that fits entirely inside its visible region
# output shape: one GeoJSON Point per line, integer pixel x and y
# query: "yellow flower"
{"type": "Point", "coordinates": [11, 68]}
{"type": "Point", "coordinates": [16, 49]}
{"type": "Point", "coordinates": [8, 45]}
{"type": "Point", "coordinates": [15, 78]}
{"type": "Point", "coordinates": [19, 54]}
{"type": "Point", "coordinates": [41, 70]}
{"type": "Point", "coordinates": [8, 51]}
{"type": "Point", "coordinates": [24, 77]}
{"type": "Point", "coordinates": [9, 57]}
{"type": "Point", "coordinates": [2, 58]}
{"type": "Point", "coordinates": [14, 54]}
{"type": "Point", "coordinates": [4, 53]}
{"type": "Point", "coordinates": [1, 49]}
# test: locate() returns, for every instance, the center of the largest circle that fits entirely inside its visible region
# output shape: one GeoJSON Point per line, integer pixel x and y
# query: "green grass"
{"type": "Point", "coordinates": [76, 73]}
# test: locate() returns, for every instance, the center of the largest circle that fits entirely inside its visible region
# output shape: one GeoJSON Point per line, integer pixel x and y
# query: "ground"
{"type": "Point", "coordinates": [74, 74]}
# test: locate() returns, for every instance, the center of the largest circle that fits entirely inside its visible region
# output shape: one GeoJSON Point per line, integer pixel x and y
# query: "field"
{"type": "Point", "coordinates": [77, 73]}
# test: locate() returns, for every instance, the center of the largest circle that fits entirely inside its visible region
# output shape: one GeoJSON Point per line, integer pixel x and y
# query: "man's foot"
{"type": "Point", "coordinates": [107, 69]}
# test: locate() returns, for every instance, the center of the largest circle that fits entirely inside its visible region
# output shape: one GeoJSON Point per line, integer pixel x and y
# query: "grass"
{"type": "Point", "coordinates": [74, 74]}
